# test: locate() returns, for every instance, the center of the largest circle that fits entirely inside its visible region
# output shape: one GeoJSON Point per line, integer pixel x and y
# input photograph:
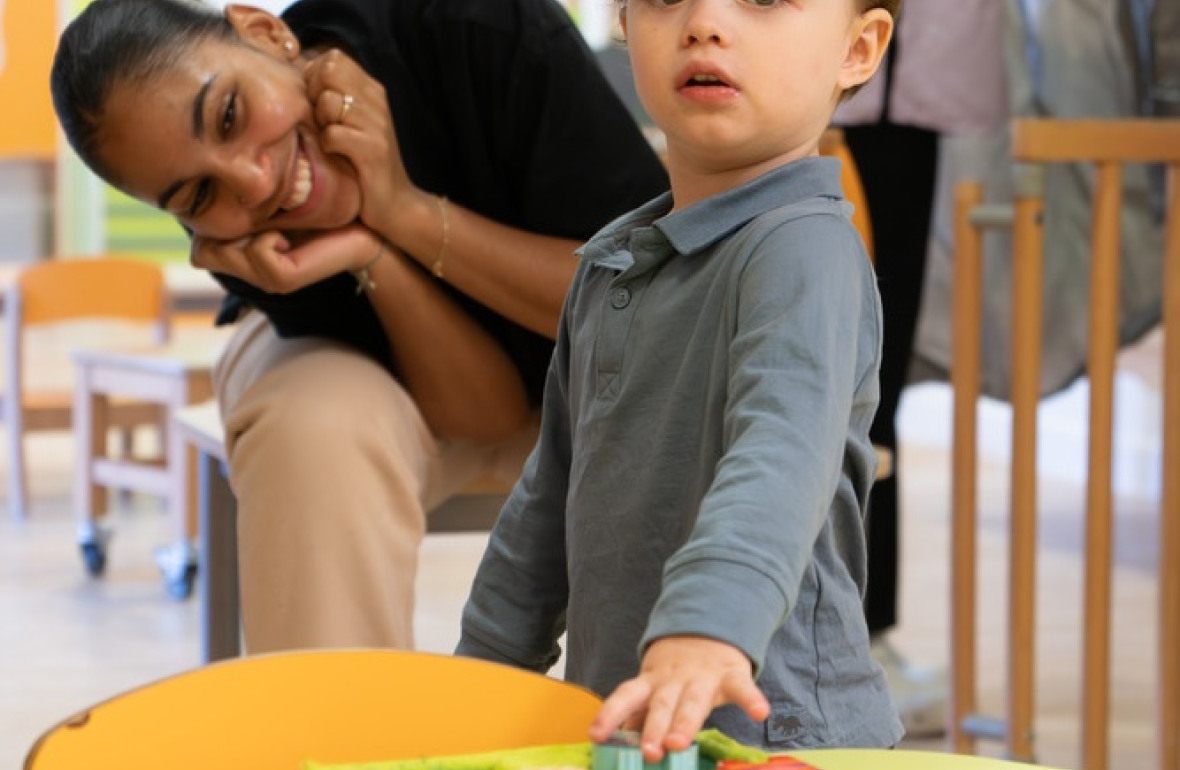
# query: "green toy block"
{"type": "Point", "coordinates": [621, 752]}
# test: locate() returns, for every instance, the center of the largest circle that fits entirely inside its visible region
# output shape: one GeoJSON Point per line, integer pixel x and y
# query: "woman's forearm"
{"type": "Point", "coordinates": [521, 275]}
{"type": "Point", "coordinates": [461, 379]}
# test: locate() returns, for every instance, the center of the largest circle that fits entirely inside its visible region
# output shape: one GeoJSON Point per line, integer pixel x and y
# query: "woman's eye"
{"type": "Point", "coordinates": [199, 197]}
{"type": "Point", "coordinates": [764, 3]}
{"type": "Point", "coordinates": [227, 117]}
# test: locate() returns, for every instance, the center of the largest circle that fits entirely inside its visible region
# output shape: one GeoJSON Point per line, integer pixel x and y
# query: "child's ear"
{"type": "Point", "coordinates": [868, 40]}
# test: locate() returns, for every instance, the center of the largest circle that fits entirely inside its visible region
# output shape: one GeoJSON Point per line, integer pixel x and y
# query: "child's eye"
{"type": "Point", "coordinates": [764, 3]}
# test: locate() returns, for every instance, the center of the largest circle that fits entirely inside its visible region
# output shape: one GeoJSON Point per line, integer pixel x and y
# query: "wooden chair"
{"type": "Point", "coordinates": [64, 290]}
{"type": "Point", "coordinates": [271, 712]}
{"type": "Point", "coordinates": [1108, 145]}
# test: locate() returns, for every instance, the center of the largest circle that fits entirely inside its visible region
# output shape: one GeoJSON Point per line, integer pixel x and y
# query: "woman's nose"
{"type": "Point", "coordinates": [250, 178]}
{"type": "Point", "coordinates": [705, 23]}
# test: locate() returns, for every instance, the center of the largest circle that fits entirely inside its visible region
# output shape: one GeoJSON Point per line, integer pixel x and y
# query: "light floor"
{"type": "Point", "coordinates": [67, 641]}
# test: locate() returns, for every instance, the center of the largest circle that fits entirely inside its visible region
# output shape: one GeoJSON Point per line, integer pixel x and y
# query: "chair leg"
{"type": "Point", "coordinates": [18, 490]}
{"type": "Point", "coordinates": [90, 433]}
{"type": "Point", "coordinates": [126, 451]}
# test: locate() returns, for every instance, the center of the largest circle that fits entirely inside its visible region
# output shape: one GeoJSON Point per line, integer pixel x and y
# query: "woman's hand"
{"type": "Point", "coordinates": [279, 264]}
{"type": "Point", "coordinates": [352, 111]}
{"type": "Point", "coordinates": [681, 679]}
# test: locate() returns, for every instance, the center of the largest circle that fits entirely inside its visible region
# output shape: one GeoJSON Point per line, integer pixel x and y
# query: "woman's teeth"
{"type": "Point", "coordinates": [302, 187]}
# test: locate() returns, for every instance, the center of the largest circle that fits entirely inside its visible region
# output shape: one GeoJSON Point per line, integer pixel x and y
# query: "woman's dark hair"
{"type": "Point", "coordinates": [120, 41]}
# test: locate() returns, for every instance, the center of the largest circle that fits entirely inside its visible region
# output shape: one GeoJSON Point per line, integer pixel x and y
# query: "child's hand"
{"type": "Point", "coordinates": [681, 679]}
{"type": "Point", "coordinates": [274, 263]}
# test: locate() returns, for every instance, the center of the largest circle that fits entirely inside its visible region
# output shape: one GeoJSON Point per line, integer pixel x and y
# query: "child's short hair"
{"type": "Point", "coordinates": [890, 5]}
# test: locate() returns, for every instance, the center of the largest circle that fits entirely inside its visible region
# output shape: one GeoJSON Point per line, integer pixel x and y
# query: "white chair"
{"type": "Point", "coordinates": [65, 290]}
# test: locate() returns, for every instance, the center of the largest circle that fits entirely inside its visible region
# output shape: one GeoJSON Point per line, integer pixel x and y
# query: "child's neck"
{"type": "Point", "coordinates": [695, 178]}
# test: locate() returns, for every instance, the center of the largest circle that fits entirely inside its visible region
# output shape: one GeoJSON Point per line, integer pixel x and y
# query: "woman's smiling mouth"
{"type": "Point", "coordinates": [301, 189]}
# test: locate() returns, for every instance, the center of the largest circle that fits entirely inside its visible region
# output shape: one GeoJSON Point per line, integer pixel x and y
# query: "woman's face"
{"type": "Point", "coordinates": [225, 140]}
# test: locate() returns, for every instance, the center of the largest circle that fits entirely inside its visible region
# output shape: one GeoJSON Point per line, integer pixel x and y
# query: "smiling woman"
{"type": "Point", "coordinates": [397, 186]}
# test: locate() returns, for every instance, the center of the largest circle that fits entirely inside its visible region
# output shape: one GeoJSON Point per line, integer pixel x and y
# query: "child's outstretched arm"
{"type": "Point", "coordinates": [681, 679]}
{"type": "Point", "coordinates": [801, 369]}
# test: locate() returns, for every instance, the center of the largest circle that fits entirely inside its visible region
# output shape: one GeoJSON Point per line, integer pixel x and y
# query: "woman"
{"type": "Point", "coordinates": [449, 154]}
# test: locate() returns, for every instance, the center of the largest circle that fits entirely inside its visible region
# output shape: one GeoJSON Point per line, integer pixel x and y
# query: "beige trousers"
{"type": "Point", "coordinates": [334, 470]}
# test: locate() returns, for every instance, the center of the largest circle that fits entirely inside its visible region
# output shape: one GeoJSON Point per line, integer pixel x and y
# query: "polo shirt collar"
{"type": "Point", "coordinates": [702, 224]}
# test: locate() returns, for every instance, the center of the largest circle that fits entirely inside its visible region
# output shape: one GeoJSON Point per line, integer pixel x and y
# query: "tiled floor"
{"type": "Point", "coordinates": [67, 641]}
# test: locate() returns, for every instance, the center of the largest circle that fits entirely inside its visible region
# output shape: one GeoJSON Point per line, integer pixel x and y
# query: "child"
{"type": "Point", "coordinates": [693, 512]}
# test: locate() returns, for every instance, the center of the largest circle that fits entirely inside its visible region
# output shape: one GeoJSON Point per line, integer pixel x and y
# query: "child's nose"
{"type": "Point", "coordinates": [704, 23]}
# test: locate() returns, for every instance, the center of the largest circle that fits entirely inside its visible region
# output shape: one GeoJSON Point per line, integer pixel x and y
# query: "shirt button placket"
{"type": "Point", "coordinates": [613, 337]}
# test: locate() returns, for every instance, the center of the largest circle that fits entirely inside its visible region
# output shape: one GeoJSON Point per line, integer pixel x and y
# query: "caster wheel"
{"type": "Point", "coordinates": [180, 587]}
{"type": "Point", "coordinates": [178, 566]}
{"type": "Point", "coordinates": [94, 557]}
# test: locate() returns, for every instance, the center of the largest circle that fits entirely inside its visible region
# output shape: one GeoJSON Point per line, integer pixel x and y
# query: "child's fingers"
{"type": "Point", "coordinates": [628, 699]}
{"type": "Point", "coordinates": [742, 691]}
{"type": "Point", "coordinates": [661, 708]}
{"type": "Point", "coordinates": [696, 701]}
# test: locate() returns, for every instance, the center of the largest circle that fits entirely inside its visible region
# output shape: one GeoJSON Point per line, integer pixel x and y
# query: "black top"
{"type": "Point", "coordinates": [500, 106]}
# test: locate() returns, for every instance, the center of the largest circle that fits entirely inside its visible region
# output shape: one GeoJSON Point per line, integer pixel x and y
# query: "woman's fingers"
{"type": "Point", "coordinates": [336, 108]}
{"type": "Point", "coordinates": [340, 89]}
{"type": "Point", "coordinates": [352, 111]}
{"type": "Point", "coordinates": [272, 263]}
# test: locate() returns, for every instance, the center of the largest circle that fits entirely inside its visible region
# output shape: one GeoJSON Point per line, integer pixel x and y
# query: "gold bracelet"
{"type": "Point", "coordinates": [437, 268]}
{"type": "Point", "coordinates": [363, 279]}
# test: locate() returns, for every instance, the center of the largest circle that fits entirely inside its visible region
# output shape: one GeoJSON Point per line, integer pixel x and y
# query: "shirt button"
{"type": "Point", "coordinates": [620, 298]}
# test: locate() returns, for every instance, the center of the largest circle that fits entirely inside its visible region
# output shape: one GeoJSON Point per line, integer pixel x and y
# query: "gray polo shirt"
{"type": "Point", "coordinates": [704, 460]}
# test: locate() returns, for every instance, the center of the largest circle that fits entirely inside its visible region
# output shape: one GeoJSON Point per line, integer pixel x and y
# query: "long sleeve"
{"type": "Point", "coordinates": [798, 362]}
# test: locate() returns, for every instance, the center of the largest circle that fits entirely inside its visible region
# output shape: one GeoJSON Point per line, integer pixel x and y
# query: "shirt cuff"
{"type": "Point", "coordinates": [720, 599]}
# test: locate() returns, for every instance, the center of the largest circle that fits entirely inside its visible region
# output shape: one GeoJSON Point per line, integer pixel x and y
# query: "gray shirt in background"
{"type": "Point", "coordinates": [704, 461]}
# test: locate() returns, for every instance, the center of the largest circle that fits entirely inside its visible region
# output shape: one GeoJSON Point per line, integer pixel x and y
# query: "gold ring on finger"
{"type": "Point", "coordinates": [345, 106]}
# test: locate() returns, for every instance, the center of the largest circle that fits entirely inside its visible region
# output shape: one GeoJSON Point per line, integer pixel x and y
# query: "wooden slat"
{"type": "Point", "coordinates": [968, 278]}
{"type": "Point", "coordinates": [1027, 293]}
{"type": "Point", "coordinates": [1048, 141]}
{"type": "Point", "coordinates": [1169, 609]}
{"type": "Point", "coordinates": [1103, 343]}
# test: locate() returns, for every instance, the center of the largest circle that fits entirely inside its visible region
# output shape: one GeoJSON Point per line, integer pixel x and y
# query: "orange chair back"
{"type": "Point", "coordinates": [832, 144]}
{"type": "Point", "coordinates": [109, 287]}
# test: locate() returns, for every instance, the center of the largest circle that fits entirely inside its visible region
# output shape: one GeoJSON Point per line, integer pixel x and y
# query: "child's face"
{"type": "Point", "coordinates": [737, 83]}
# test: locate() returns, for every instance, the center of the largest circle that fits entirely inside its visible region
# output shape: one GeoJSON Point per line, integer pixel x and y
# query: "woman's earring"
{"type": "Point", "coordinates": [289, 46]}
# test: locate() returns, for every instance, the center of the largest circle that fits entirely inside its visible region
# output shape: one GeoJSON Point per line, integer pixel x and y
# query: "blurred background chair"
{"type": "Point", "coordinates": [272, 712]}
{"type": "Point", "coordinates": [1106, 145]}
{"type": "Point", "coordinates": [57, 292]}
{"type": "Point", "coordinates": [832, 144]}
